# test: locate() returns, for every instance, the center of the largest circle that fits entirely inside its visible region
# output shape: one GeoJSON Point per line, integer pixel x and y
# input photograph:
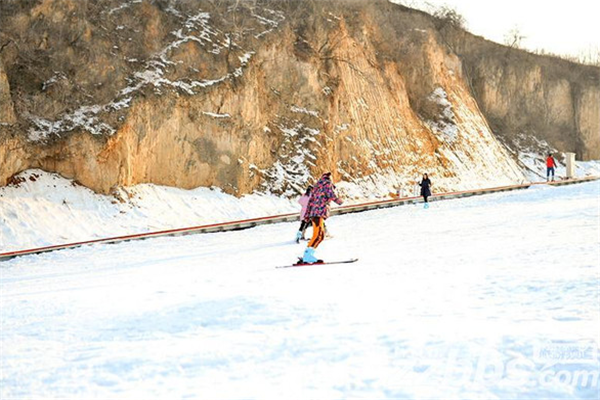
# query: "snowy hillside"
{"type": "Point", "coordinates": [493, 297]}
{"type": "Point", "coordinates": [44, 209]}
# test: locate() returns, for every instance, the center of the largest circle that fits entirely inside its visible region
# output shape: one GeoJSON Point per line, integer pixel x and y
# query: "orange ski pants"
{"type": "Point", "coordinates": [318, 224]}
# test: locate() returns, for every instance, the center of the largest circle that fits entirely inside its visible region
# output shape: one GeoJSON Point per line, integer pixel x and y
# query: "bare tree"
{"type": "Point", "coordinates": [514, 38]}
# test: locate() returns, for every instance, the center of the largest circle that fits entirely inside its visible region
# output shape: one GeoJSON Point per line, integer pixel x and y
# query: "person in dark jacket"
{"type": "Point", "coordinates": [317, 212]}
{"type": "Point", "coordinates": [425, 189]}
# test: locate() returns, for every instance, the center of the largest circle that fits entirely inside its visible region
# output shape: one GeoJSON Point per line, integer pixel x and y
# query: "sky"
{"type": "Point", "coordinates": [560, 27]}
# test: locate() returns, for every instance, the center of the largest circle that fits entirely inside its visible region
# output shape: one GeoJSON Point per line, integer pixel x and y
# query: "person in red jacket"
{"type": "Point", "coordinates": [550, 165]}
{"type": "Point", "coordinates": [317, 212]}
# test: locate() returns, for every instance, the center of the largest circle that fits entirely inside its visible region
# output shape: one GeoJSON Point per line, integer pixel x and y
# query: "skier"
{"type": "Point", "coordinates": [317, 212]}
{"type": "Point", "coordinates": [425, 189]}
{"type": "Point", "coordinates": [550, 165]}
{"type": "Point", "coordinates": [303, 200]}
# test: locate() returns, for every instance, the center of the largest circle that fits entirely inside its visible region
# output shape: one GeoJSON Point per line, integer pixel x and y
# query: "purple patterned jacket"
{"type": "Point", "coordinates": [321, 195]}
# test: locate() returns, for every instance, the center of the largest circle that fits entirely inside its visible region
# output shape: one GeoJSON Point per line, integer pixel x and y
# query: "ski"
{"type": "Point", "coordinates": [300, 264]}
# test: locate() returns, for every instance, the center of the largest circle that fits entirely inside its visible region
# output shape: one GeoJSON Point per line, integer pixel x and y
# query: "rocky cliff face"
{"type": "Point", "coordinates": [7, 114]}
{"type": "Point", "coordinates": [256, 95]}
{"type": "Point", "coordinates": [527, 95]}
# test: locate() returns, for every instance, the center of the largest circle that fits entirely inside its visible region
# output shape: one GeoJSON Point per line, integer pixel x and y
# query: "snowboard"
{"type": "Point", "coordinates": [301, 264]}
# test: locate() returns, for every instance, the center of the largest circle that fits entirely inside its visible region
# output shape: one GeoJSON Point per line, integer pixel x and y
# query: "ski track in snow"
{"type": "Point", "coordinates": [452, 302]}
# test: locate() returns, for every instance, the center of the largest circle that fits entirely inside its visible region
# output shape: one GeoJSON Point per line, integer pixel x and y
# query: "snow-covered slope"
{"type": "Point", "coordinates": [493, 297]}
{"type": "Point", "coordinates": [46, 209]}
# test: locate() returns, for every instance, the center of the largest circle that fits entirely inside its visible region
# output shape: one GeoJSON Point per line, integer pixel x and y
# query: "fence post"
{"type": "Point", "coordinates": [570, 165]}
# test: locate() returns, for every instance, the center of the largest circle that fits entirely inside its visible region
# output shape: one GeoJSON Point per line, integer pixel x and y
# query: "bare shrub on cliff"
{"type": "Point", "coordinates": [591, 56]}
{"type": "Point", "coordinates": [514, 38]}
{"type": "Point", "coordinates": [446, 17]}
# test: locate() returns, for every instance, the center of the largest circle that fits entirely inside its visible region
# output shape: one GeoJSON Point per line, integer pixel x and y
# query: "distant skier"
{"type": "Point", "coordinates": [303, 200]}
{"type": "Point", "coordinates": [550, 165]}
{"type": "Point", "coordinates": [425, 189]}
{"type": "Point", "coordinates": [317, 212]}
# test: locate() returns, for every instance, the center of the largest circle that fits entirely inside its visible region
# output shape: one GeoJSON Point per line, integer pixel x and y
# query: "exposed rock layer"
{"type": "Point", "coordinates": [520, 93]}
{"type": "Point", "coordinates": [249, 96]}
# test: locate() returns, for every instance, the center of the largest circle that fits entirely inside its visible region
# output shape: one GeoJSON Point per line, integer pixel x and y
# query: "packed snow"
{"type": "Point", "coordinates": [47, 209]}
{"type": "Point", "coordinates": [481, 298]}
